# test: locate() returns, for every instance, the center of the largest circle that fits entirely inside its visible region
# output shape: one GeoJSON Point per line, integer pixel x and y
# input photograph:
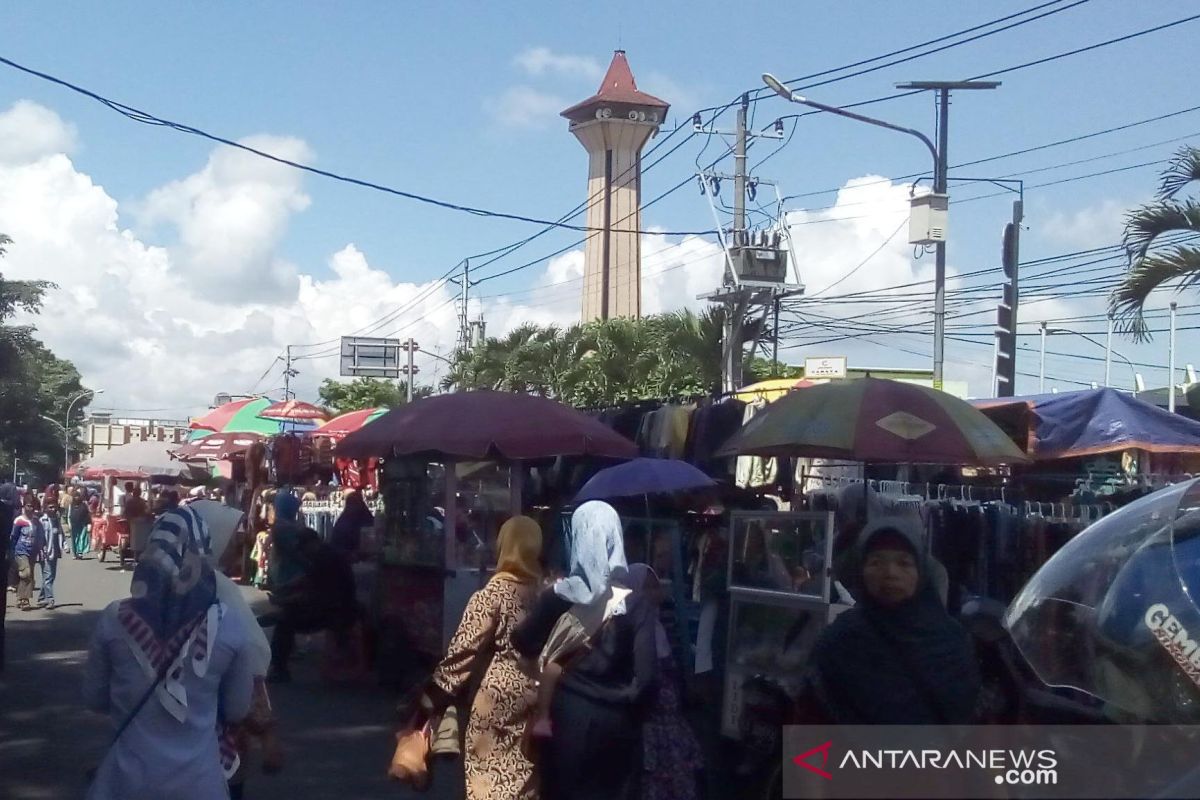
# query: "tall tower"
{"type": "Point", "coordinates": [613, 125]}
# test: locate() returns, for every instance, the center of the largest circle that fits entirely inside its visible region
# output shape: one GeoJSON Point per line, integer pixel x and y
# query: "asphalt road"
{"type": "Point", "coordinates": [337, 737]}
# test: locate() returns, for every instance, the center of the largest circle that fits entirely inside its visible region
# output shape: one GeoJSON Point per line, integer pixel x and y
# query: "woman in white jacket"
{"type": "Point", "coordinates": [161, 664]}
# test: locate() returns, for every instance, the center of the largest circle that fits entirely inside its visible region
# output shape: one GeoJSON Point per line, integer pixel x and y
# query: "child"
{"type": "Point", "coordinates": [569, 640]}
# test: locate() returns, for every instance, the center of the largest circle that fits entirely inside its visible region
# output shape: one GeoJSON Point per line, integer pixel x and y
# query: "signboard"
{"type": "Point", "coordinates": [367, 357]}
{"type": "Point", "coordinates": [834, 367]}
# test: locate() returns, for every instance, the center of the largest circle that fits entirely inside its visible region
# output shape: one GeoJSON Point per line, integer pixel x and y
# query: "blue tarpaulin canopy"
{"type": "Point", "coordinates": [1091, 422]}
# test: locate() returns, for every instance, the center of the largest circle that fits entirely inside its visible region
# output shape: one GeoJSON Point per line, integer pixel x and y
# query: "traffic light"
{"type": "Point", "coordinates": [1006, 316]}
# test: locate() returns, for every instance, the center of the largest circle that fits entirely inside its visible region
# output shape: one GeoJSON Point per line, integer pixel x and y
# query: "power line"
{"type": "Point", "coordinates": [147, 118]}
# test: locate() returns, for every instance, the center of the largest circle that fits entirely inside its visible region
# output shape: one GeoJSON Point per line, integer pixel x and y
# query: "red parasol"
{"type": "Point", "coordinates": [218, 446]}
{"type": "Point", "coordinates": [486, 425]}
{"type": "Point", "coordinates": [294, 410]}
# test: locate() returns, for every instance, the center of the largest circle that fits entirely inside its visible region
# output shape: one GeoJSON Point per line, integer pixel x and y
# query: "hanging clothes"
{"type": "Point", "coordinates": [754, 471]}
{"type": "Point", "coordinates": [711, 427]}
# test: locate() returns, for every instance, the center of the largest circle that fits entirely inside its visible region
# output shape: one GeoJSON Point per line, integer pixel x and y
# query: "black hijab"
{"type": "Point", "coordinates": [909, 663]}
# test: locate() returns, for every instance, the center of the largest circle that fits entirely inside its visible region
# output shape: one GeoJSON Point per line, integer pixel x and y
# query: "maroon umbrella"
{"type": "Point", "coordinates": [486, 425]}
{"type": "Point", "coordinates": [217, 446]}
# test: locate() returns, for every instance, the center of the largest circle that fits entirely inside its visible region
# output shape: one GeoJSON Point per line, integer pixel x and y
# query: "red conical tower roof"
{"type": "Point", "coordinates": [618, 86]}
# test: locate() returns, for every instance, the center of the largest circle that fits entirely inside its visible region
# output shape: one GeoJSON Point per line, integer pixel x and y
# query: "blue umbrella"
{"type": "Point", "coordinates": [644, 476]}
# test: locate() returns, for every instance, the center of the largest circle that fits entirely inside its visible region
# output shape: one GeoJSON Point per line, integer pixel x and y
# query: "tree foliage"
{"type": "Point", "coordinates": [344, 396]}
{"type": "Point", "coordinates": [1153, 262]}
{"type": "Point", "coordinates": [677, 354]}
{"type": "Point", "coordinates": [36, 386]}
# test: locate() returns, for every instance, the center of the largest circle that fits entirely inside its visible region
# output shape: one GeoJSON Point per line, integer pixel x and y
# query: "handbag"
{"type": "Point", "coordinates": [410, 758]}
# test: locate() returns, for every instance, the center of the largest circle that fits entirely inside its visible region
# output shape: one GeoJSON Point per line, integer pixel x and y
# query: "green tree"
{"type": "Point", "coordinates": [602, 362]}
{"type": "Point", "coordinates": [35, 386]}
{"type": "Point", "coordinates": [1152, 265]}
{"type": "Point", "coordinates": [344, 396]}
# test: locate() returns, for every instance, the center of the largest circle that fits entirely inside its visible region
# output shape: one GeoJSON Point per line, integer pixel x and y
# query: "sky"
{"type": "Point", "coordinates": [185, 267]}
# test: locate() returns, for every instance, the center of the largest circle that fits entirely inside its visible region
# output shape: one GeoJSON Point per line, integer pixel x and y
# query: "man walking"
{"type": "Point", "coordinates": [52, 547]}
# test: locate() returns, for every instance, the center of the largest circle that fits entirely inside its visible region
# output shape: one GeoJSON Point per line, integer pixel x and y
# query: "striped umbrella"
{"type": "Point", "coordinates": [876, 420]}
{"type": "Point", "coordinates": [239, 416]}
{"type": "Point", "coordinates": [349, 422]}
{"type": "Point", "coordinates": [294, 410]}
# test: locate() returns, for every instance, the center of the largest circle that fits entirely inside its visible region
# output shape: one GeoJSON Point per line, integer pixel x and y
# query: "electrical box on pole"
{"type": "Point", "coordinates": [928, 217]}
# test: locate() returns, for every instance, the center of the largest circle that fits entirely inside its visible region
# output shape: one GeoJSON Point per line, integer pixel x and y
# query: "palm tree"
{"type": "Point", "coordinates": [1175, 259]}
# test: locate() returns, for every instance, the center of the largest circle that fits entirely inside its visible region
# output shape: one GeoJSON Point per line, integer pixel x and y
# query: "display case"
{"type": "Point", "coordinates": [779, 589]}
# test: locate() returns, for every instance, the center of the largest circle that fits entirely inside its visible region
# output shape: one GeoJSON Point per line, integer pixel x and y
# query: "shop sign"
{"type": "Point", "coordinates": [833, 367]}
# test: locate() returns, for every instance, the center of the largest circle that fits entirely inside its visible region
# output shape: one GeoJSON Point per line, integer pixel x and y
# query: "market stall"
{"type": "Point", "coordinates": [143, 462]}
{"type": "Point", "coordinates": [435, 551]}
{"type": "Point", "coordinates": [782, 565]}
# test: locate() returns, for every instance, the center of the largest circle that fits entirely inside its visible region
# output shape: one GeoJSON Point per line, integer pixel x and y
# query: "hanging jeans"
{"type": "Point", "coordinates": [49, 572]}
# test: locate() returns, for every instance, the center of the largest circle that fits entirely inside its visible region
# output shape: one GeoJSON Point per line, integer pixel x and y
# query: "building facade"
{"type": "Point", "coordinates": [103, 432]}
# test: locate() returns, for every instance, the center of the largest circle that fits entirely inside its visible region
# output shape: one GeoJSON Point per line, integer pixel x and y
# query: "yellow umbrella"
{"type": "Point", "coordinates": [772, 389]}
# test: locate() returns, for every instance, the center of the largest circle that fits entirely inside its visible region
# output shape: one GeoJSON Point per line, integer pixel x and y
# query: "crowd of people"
{"type": "Point", "coordinates": [580, 693]}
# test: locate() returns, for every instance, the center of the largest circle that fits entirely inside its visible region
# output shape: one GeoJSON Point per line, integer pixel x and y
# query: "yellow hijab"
{"type": "Point", "coordinates": [519, 545]}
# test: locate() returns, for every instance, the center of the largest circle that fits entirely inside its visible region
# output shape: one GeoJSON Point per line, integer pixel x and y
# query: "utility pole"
{"type": "Point", "coordinates": [1171, 362]}
{"type": "Point", "coordinates": [755, 271]}
{"type": "Point", "coordinates": [941, 162]}
{"type": "Point", "coordinates": [939, 274]}
{"type": "Point", "coordinates": [464, 325]}
{"type": "Point", "coordinates": [731, 369]}
{"type": "Point", "coordinates": [411, 347]}
{"type": "Point", "coordinates": [287, 374]}
{"type": "Point", "coordinates": [1004, 370]}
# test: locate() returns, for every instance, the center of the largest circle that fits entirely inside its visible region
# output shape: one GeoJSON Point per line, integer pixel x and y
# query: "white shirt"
{"type": "Point", "coordinates": [157, 756]}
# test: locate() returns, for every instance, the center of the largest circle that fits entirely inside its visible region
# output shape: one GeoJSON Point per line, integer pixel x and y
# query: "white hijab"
{"type": "Point", "coordinates": [597, 556]}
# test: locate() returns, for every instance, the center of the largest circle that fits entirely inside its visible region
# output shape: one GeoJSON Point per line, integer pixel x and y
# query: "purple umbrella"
{"type": "Point", "coordinates": [644, 476]}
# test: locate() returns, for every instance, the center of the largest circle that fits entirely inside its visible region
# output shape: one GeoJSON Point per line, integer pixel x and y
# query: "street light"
{"type": "Point", "coordinates": [67, 427]}
{"type": "Point", "coordinates": [940, 156]}
{"type": "Point", "coordinates": [1108, 352]}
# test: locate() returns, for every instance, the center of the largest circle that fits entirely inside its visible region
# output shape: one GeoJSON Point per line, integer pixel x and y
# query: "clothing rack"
{"type": "Point", "coordinates": [1067, 513]}
{"type": "Point", "coordinates": [964, 493]}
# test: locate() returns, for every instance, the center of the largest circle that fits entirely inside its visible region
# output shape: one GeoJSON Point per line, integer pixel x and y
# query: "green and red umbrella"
{"type": "Point", "coordinates": [238, 416]}
{"type": "Point", "coordinates": [878, 421]}
{"type": "Point", "coordinates": [349, 422]}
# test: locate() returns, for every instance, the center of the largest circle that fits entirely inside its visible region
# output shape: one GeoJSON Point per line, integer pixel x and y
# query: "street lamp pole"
{"type": "Point", "coordinates": [1108, 352]}
{"type": "Point", "coordinates": [940, 154]}
{"type": "Point", "coordinates": [1171, 363]}
{"type": "Point", "coordinates": [67, 427]}
{"type": "Point", "coordinates": [1042, 364]}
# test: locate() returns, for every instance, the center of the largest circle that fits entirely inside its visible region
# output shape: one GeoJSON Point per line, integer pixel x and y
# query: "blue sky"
{"type": "Point", "coordinates": [436, 99]}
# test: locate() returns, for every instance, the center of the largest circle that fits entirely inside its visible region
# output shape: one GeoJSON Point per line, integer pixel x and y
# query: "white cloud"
{"type": "Point", "coordinates": [134, 317]}
{"type": "Point", "coordinates": [231, 216]}
{"type": "Point", "coordinates": [29, 132]}
{"type": "Point", "coordinates": [525, 107]}
{"type": "Point", "coordinates": [1098, 225]}
{"type": "Point", "coordinates": [538, 61]}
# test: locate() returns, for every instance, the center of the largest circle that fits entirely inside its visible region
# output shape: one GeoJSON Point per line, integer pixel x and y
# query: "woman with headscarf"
{"type": "Point", "coordinates": [897, 657]}
{"type": "Point", "coordinates": [594, 751]}
{"type": "Point", "coordinates": [671, 752]}
{"type": "Point", "coordinates": [347, 531]}
{"type": "Point", "coordinates": [79, 518]}
{"type": "Point", "coordinates": [286, 564]}
{"type": "Point", "coordinates": [167, 664]}
{"type": "Point", "coordinates": [495, 767]}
